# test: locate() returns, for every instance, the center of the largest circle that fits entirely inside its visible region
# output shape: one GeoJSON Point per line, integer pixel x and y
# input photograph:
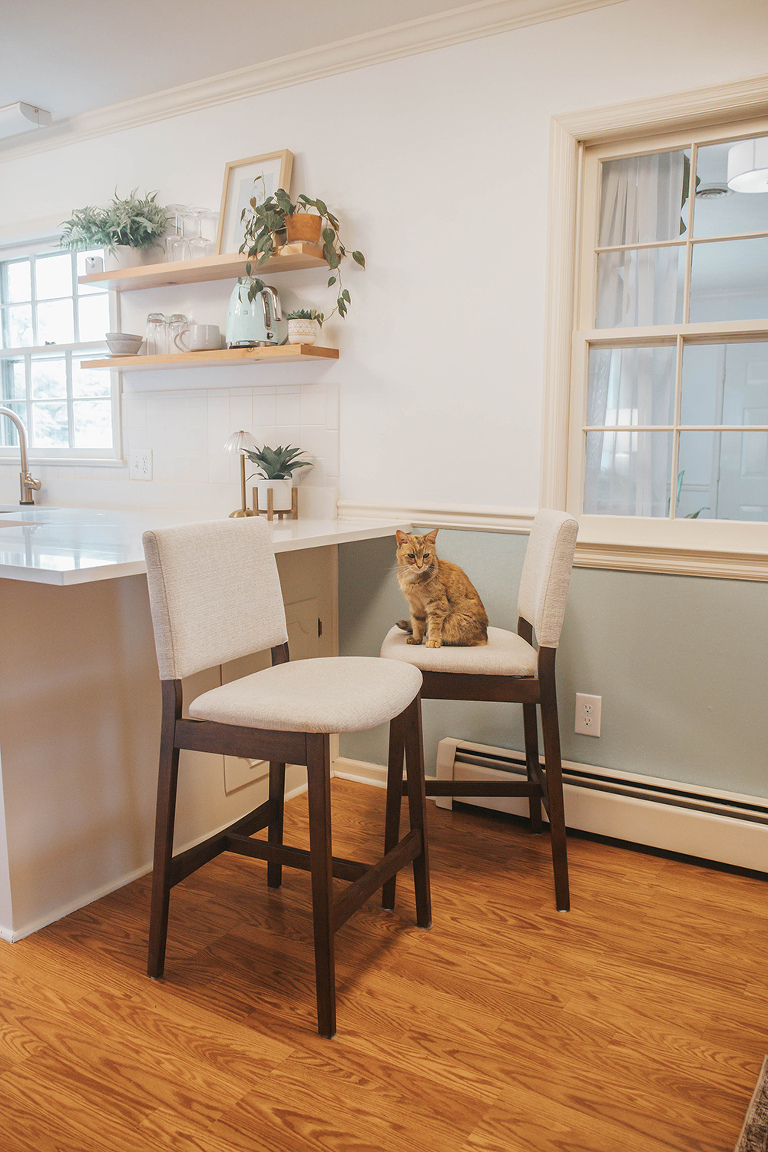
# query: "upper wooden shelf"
{"type": "Point", "coordinates": [282, 354]}
{"type": "Point", "coordinates": [291, 258]}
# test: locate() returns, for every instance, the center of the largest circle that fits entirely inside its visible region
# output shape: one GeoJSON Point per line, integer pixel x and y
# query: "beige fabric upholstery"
{"type": "Point", "coordinates": [214, 592]}
{"type": "Point", "coordinates": [505, 654]}
{"type": "Point", "coordinates": [547, 574]}
{"type": "Point", "coordinates": [334, 694]}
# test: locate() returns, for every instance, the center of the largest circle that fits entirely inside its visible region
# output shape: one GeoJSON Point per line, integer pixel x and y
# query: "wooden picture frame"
{"type": "Point", "coordinates": [261, 175]}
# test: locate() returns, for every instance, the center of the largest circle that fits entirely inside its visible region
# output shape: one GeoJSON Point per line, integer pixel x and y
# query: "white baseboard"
{"type": "Point", "coordinates": [690, 831]}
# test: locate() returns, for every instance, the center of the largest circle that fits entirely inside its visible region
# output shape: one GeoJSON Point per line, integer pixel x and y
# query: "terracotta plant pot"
{"type": "Point", "coordinates": [303, 226]}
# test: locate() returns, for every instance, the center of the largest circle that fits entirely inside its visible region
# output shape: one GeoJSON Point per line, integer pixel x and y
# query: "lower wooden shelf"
{"type": "Point", "coordinates": [283, 354]}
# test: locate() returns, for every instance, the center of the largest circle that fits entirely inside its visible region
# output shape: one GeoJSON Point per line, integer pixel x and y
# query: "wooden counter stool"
{"type": "Point", "coordinates": [215, 596]}
{"type": "Point", "coordinates": [507, 669]}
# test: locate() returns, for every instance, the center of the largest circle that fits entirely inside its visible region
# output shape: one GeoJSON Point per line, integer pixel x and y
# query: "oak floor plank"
{"type": "Point", "coordinates": [636, 1022]}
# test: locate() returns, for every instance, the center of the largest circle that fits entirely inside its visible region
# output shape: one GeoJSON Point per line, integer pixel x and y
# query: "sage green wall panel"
{"type": "Point", "coordinates": [680, 662]}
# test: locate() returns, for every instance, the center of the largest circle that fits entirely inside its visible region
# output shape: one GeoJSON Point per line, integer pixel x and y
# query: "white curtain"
{"type": "Point", "coordinates": [628, 473]}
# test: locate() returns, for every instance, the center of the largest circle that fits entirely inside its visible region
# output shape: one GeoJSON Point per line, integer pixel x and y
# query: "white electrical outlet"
{"type": "Point", "coordinates": [140, 464]}
{"type": "Point", "coordinates": [588, 709]}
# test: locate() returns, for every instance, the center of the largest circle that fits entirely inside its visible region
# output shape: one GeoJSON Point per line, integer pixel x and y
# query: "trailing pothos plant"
{"type": "Point", "coordinates": [261, 223]}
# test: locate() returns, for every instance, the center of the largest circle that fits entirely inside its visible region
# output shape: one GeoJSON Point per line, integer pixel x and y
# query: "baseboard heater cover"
{"type": "Point", "coordinates": [703, 822]}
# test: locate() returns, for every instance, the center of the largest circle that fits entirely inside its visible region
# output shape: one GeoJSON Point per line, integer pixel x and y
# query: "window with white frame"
{"type": "Point", "coordinates": [669, 398]}
{"type": "Point", "coordinates": [50, 327]}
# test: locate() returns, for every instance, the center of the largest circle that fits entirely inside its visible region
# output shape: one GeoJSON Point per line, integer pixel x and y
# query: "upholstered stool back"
{"type": "Point", "coordinates": [214, 592]}
{"type": "Point", "coordinates": [547, 574]}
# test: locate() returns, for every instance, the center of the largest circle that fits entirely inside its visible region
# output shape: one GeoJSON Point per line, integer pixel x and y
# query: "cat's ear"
{"type": "Point", "coordinates": [432, 535]}
{"type": "Point", "coordinates": [401, 537]}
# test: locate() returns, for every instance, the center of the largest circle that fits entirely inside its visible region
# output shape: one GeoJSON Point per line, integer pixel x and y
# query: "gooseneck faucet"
{"type": "Point", "coordinates": [28, 485]}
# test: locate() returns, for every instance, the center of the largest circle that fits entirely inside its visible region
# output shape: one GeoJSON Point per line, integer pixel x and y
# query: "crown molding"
{"type": "Point", "coordinates": [469, 22]}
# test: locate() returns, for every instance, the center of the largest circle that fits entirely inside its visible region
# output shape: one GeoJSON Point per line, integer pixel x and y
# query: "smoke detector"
{"type": "Point", "coordinates": [712, 191]}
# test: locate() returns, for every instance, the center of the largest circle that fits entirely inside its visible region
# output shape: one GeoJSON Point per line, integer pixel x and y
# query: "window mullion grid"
{"type": "Point", "coordinates": [33, 297]}
{"type": "Point", "coordinates": [676, 429]}
{"type": "Point", "coordinates": [75, 298]}
{"type": "Point", "coordinates": [70, 402]}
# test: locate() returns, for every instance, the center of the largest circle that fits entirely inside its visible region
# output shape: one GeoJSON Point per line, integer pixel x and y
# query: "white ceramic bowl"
{"type": "Point", "coordinates": [123, 343]}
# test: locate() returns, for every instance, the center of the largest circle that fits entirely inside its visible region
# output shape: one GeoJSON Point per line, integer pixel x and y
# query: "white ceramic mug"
{"type": "Point", "coordinates": [198, 338]}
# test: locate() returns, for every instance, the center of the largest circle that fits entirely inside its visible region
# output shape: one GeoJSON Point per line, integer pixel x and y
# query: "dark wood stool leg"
{"type": "Point", "coordinates": [394, 795]}
{"type": "Point", "coordinates": [531, 730]}
{"type": "Point", "coordinates": [321, 868]}
{"type": "Point", "coordinates": [164, 822]}
{"type": "Point", "coordinates": [554, 770]}
{"type": "Point", "coordinates": [275, 829]}
{"type": "Point", "coordinates": [417, 809]}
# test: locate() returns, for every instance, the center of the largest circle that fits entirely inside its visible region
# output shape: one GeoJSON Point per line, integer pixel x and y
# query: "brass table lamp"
{"type": "Point", "coordinates": [241, 442]}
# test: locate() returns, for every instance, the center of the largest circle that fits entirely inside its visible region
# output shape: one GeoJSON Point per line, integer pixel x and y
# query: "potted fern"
{"type": "Point", "coordinates": [275, 468]}
{"type": "Point", "coordinates": [304, 219]}
{"type": "Point", "coordinates": [128, 229]}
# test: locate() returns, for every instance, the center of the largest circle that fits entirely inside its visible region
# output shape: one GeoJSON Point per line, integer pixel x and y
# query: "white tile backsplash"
{"type": "Point", "coordinates": [187, 432]}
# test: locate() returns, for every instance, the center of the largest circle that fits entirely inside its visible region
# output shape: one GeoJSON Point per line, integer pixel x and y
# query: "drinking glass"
{"type": "Point", "coordinates": [156, 339]}
{"type": "Point", "coordinates": [177, 323]}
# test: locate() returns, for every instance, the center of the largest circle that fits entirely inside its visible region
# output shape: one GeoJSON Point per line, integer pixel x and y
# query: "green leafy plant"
{"type": "Point", "coordinates": [277, 463]}
{"type": "Point", "coordinates": [138, 222]}
{"type": "Point", "coordinates": [306, 314]}
{"type": "Point", "coordinates": [262, 221]}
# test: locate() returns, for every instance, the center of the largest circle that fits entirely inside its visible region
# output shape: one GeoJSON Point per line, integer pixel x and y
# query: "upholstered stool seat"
{"type": "Point", "coordinates": [334, 694]}
{"type": "Point", "coordinates": [505, 654]}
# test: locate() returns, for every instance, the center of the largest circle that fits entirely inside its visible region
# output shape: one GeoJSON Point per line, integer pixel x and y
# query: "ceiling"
{"type": "Point", "coordinates": [72, 58]}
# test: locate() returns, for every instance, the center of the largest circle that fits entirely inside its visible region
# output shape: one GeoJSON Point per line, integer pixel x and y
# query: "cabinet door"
{"type": "Point", "coordinates": [303, 641]}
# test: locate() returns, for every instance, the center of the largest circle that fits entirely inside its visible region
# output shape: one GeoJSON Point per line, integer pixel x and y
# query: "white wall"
{"type": "Point", "coordinates": [437, 166]}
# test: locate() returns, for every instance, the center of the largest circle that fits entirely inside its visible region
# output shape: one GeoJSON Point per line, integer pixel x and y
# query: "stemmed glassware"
{"type": "Point", "coordinates": [176, 243]}
{"type": "Point", "coordinates": [198, 228]}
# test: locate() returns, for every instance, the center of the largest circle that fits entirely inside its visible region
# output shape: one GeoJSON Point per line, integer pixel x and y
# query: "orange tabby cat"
{"type": "Point", "coordinates": [443, 603]}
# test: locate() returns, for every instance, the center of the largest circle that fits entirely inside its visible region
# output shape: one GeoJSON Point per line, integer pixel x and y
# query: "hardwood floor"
{"type": "Point", "coordinates": [637, 1022]}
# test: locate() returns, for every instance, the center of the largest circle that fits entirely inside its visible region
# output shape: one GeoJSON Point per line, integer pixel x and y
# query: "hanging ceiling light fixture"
{"type": "Point", "coordinates": [748, 165]}
{"type": "Point", "coordinates": [21, 117]}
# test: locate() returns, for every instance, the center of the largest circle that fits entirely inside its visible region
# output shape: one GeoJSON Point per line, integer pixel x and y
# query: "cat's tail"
{"type": "Point", "coordinates": [405, 626]}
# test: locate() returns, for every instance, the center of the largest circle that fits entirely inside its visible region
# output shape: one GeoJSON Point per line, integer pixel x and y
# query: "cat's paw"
{"type": "Point", "coordinates": [433, 644]}
{"type": "Point", "coordinates": [412, 640]}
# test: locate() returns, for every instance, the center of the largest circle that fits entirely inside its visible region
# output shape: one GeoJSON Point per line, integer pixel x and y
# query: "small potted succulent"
{"type": "Point", "coordinates": [303, 325]}
{"type": "Point", "coordinates": [129, 229]}
{"type": "Point", "coordinates": [275, 467]}
{"type": "Point", "coordinates": [304, 219]}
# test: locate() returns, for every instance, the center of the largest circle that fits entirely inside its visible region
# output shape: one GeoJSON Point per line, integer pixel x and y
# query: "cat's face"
{"type": "Point", "coordinates": [416, 554]}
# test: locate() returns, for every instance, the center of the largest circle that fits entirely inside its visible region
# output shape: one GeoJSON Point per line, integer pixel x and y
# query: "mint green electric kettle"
{"type": "Point", "coordinates": [256, 323]}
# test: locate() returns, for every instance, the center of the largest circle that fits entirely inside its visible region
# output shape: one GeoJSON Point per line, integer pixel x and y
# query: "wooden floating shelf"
{"type": "Point", "coordinates": [283, 354]}
{"type": "Point", "coordinates": [291, 258]}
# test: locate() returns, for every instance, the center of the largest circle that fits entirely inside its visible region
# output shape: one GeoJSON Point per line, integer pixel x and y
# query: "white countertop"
{"type": "Point", "coordinates": [79, 545]}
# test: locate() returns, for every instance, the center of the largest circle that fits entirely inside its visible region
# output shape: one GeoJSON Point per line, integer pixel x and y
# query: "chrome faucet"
{"type": "Point", "coordinates": [28, 485]}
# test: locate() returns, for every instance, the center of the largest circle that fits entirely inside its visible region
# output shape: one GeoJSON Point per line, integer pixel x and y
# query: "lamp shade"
{"type": "Point", "coordinates": [21, 117]}
{"type": "Point", "coordinates": [240, 442]}
{"type": "Point", "coordinates": [748, 165]}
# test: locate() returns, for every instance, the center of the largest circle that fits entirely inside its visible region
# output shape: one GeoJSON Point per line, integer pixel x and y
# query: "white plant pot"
{"type": "Point", "coordinates": [302, 331]}
{"type": "Point", "coordinates": [126, 257]}
{"type": "Point", "coordinates": [281, 495]}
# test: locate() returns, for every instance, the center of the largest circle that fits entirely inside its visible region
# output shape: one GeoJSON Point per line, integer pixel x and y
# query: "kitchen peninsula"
{"type": "Point", "coordinates": [80, 700]}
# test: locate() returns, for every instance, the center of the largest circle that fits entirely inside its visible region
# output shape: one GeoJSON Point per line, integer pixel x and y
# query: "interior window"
{"type": "Point", "coordinates": [674, 317]}
{"type": "Point", "coordinates": [50, 326]}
